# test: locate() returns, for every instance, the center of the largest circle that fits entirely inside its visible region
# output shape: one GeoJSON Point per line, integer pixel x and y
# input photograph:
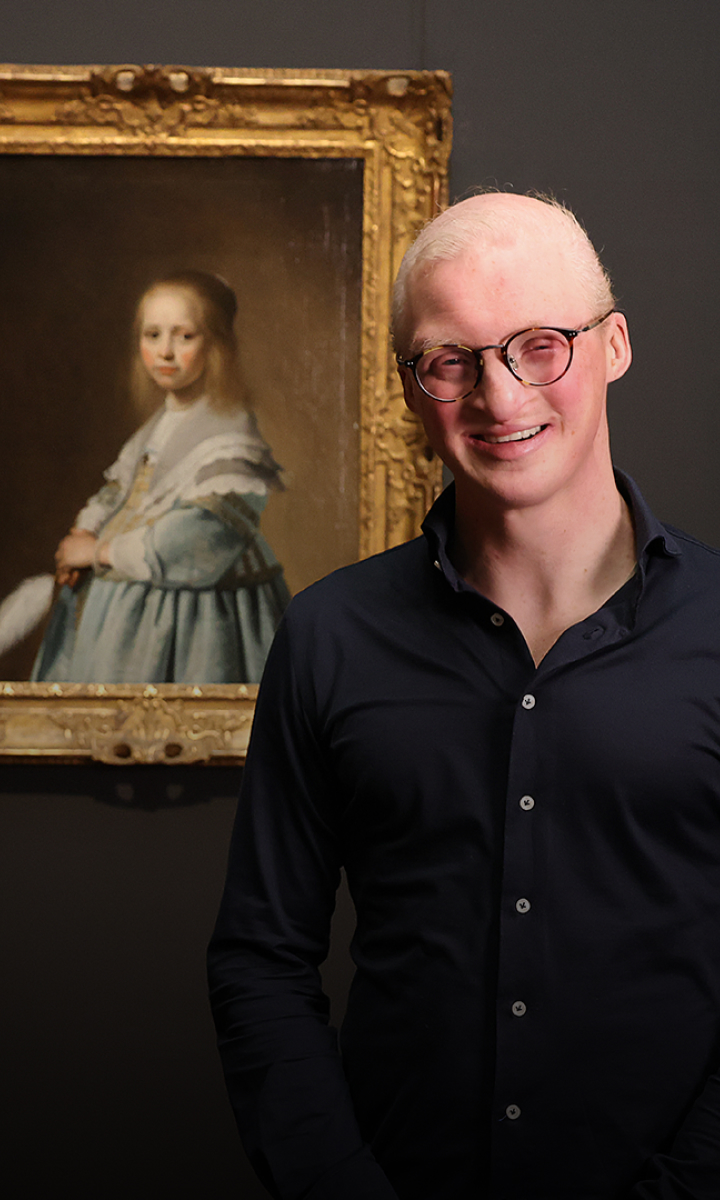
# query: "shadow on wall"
{"type": "Point", "coordinates": [110, 881]}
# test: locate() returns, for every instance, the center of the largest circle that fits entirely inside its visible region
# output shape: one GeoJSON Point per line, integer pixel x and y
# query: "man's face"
{"type": "Point", "coordinates": [483, 298]}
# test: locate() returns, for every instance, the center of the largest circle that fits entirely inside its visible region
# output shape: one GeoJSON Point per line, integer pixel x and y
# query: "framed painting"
{"type": "Point", "coordinates": [290, 198]}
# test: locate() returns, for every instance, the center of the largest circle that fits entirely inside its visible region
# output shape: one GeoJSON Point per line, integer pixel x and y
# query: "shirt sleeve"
{"type": "Point", "coordinates": [691, 1165]}
{"type": "Point", "coordinates": [189, 546]}
{"type": "Point", "coordinates": [280, 1057]}
{"type": "Point", "coordinates": [98, 508]}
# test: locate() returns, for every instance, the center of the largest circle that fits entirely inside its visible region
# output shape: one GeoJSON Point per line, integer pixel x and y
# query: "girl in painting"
{"type": "Point", "coordinates": [165, 575]}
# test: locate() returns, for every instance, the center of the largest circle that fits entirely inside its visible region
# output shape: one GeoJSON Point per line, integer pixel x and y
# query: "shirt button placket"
{"type": "Point", "coordinates": [517, 1033]}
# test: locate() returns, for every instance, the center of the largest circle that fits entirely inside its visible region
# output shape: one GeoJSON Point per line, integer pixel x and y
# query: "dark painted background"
{"type": "Point", "coordinates": [111, 879]}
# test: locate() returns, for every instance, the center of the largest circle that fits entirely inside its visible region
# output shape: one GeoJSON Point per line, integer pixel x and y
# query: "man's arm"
{"type": "Point", "coordinates": [280, 1057]}
{"type": "Point", "coordinates": [690, 1169]}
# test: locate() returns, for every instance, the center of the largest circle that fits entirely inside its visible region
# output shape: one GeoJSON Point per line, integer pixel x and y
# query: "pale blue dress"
{"type": "Point", "coordinates": [195, 593]}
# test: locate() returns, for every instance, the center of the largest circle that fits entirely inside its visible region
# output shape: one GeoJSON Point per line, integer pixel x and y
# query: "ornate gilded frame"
{"type": "Point", "coordinates": [398, 123]}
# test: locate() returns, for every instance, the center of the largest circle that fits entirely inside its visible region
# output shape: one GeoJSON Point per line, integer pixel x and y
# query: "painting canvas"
{"type": "Point", "coordinates": [88, 237]}
{"type": "Point", "coordinates": [298, 195]}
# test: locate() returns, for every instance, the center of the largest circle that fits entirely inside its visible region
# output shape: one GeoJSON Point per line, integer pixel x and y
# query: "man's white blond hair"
{"type": "Point", "coordinates": [468, 225]}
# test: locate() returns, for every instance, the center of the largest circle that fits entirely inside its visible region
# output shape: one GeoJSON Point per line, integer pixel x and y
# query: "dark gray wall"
{"type": "Point", "coordinates": [113, 1088]}
{"type": "Point", "coordinates": [612, 106]}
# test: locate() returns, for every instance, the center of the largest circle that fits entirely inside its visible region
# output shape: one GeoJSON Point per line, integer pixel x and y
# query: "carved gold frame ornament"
{"type": "Point", "coordinates": [399, 124]}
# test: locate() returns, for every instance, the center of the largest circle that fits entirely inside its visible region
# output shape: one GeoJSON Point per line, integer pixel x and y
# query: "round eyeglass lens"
{"type": "Point", "coordinates": [448, 372]}
{"type": "Point", "coordinates": [539, 355]}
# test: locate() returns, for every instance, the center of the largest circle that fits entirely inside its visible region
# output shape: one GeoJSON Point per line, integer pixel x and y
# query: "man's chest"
{"type": "Point", "coordinates": [602, 736]}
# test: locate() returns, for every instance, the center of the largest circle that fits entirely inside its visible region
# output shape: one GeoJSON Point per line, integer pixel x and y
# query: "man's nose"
{"type": "Point", "coordinates": [499, 393]}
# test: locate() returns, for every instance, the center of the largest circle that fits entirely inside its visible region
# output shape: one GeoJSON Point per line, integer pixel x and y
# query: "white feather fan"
{"type": "Point", "coordinates": [25, 608]}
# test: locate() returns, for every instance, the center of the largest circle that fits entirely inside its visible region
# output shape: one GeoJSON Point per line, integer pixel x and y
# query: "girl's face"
{"type": "Point", "coordinates": [173, 342]}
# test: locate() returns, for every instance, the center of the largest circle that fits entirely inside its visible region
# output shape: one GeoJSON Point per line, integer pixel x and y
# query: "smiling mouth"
{"type": "Point", "coordinates": [522, 435]}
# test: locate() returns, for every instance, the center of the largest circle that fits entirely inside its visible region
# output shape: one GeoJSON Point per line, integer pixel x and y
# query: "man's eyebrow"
{"type": "Point", "coordinates": [431, 343]}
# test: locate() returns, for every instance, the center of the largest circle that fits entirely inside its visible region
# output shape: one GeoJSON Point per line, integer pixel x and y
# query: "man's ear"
{"type": "Point", "coordinates": [408, 383]}
{"type": "Point", "coordinates": [618, 347]}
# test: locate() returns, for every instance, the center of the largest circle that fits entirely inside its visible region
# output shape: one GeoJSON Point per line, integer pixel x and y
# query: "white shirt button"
{"type": "Point", "coordinates": [437, 564]}
{"type": "Point", "coordinates": [522, 905]}
{"type": "Point", "coordinates": [497, 619]}
{"type": "Point", "coordinates": [519, 1009]}
{"type": "Point", "coordinates": [526, 803]}
{"type": "Point", "coordinates": [528, 701]}
{"type": "Point", "coordinates": [512, 1111]}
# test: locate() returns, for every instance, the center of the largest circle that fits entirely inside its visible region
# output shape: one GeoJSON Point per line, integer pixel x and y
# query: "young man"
{"type": "Point", "coordinates": [508, 732]}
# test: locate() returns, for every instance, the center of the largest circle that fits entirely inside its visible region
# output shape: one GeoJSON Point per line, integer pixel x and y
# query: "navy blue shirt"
{"type": "Point", "coordinates": [534, 856]}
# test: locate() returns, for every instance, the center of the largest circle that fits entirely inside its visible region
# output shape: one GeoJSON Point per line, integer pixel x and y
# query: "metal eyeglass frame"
{"type": "Point", "coordinates": [570, 334]}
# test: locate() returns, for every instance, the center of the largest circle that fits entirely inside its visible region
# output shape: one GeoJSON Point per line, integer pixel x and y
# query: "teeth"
{"type": "Point", "coordinates": [520, 436]}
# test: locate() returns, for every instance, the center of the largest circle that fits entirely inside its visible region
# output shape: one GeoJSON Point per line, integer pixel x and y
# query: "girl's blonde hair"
{"type": "Point", "coordinates": [218, 307]}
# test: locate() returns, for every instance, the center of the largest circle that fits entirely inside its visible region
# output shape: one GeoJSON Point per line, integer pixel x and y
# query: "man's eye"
{"type": "Point", "coordinates": [545, 343]}
{"type": "Point", "coordinates": [451, 360]}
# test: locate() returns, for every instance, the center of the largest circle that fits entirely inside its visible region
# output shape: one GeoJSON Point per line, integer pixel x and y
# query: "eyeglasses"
{"type": "Point", "coordinates": [537, 357]}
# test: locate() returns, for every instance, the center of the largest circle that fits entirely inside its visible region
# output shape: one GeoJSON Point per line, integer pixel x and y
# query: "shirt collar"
{"type": "Point", "coordinates": [651, 536]}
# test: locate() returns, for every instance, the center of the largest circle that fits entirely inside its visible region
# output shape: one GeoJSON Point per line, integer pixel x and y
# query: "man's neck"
{"type": "Point", "coordinates": [549, 566]}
